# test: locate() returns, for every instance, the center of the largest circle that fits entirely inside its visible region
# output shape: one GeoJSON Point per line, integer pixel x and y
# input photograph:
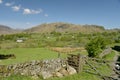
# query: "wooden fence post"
{"type": "Point", "coordinates": [80, 63]}
{"type": "Point", "coordinates": [58, 54]}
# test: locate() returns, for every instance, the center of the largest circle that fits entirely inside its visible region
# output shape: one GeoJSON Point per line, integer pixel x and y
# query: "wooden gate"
{"type": "Point", "coordinates": [76, 61]}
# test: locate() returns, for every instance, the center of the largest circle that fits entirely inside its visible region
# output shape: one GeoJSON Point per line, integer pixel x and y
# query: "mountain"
{"type": "Point", "coordinates": [6, 30]}
{"type": "Point", "coordinates": [58, 27]}
{"type": "Point", "coordinates": [65, 27]}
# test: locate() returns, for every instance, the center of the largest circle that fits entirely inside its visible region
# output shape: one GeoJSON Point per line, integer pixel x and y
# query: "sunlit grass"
{"type": "Point", "coordinates": [80, 76]}
{"type": "Point", "coordinates": [28, 54]}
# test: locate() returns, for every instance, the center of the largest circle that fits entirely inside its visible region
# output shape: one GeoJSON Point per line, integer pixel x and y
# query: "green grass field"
{"type": "Point", "coordinates": [28, 54]}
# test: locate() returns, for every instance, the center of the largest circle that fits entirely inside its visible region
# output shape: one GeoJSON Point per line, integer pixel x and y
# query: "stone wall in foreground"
{"type": "Point", "coordinates": [37, 68]}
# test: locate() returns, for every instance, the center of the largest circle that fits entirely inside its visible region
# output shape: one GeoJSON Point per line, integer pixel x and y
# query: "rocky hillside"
{"type": "Point", "coordinates": [65, 27]}
{"type": "Point", "coordinates": [7, 30]}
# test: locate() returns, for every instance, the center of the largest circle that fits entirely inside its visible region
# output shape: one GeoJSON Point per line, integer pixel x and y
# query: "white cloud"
{"type": "Point", "coordinates": [1, 1]}
{"type": "Point", "coordinates": [16, 8]}
{"type": "Point", "coordinates": [9, 4]}
{"type": "Point", "coordinates": [46, 15]}
{"type": "Point", "coordinates": [27, 11]}
{"type": "Point", "coordinates": [30, 11]}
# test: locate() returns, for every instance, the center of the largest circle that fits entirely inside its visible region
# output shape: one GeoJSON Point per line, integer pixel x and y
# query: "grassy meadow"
{"type": "Point", "coordinates": [36, 46]}
{"type": "Point", "coordinates": [28, 54]}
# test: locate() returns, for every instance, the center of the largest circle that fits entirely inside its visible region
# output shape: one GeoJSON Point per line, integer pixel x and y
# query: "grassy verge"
{"type": "Point", "coordinates": [80, 76]}
{"type": "Point", "coordinates": [110, 56]}
{"type": "Point", "coordinates": [17, 77]}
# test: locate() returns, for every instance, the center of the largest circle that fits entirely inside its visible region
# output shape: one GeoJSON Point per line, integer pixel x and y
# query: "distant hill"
{"type": "Point", "coordinates": [7, 30]}
{"type": "Point", "coordinates": [65, 27]}
{"type": "Point", "coordinates": [58, 27]}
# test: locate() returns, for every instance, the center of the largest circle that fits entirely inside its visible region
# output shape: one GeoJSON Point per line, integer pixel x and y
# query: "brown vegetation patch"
{"type": "Point", "coordinates": [66, 49]}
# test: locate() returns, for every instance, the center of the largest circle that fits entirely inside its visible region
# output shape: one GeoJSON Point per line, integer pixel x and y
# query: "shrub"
{"type": "Point", "coordinates": [95, 46]}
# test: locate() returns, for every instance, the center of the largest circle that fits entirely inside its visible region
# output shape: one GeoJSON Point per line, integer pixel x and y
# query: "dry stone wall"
{"type": "Point", "coordinates": [37, 68]}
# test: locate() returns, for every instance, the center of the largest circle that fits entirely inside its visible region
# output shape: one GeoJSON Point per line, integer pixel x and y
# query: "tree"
{"type": "Point", "coordinates": [95, 46]}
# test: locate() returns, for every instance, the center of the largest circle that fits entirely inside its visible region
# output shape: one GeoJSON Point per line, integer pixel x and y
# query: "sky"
{"type": "Point", "coordinates": [23, 14]}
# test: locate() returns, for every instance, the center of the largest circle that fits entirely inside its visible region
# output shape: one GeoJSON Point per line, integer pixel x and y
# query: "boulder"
{"type": "Point", "coordinates": [46, 75]}
{"type": "Point", "coordinates": [71, 70]}
{"type": "Point", "coordinates": [63, 71]}
{"type": "Point", "coordinates": [58, 74]}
